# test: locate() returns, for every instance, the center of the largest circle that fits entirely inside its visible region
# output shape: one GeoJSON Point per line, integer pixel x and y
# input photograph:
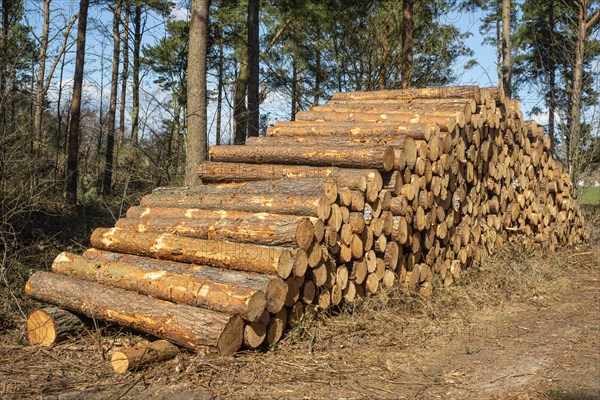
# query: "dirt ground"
{"type": "Point", "coordinates": [525, 325]}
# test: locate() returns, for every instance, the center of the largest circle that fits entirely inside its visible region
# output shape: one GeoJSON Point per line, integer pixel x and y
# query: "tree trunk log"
{"type": "Point", "coordinates": [355, 179]}
{"type": "Point", "coordinates": [239, 256]}
{"type": "Point", "coordinates": [348, 129]}
{"type": "Point", "coordinates": [273, 286]}
{"type": "Point", "coordinates": [138, 357]}
{"type": "Point", "coordinates": [287, 231]}
{"type": "Point", "coordinates": [191, 327]}
{"type": "Point", "coordinates": [165, 285]}
{"type": "Point", "coordinates": [406, 95]}
{"type": "Point", "coordinates": [278, 204]}
{"type": "Point", "coordinates": [352, 156]}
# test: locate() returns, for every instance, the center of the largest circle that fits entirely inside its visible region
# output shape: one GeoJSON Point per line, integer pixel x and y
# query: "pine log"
{"type": "Point", "coordinates": [239, 256]}
{"type": "Point", "coordinates": [356, 130]}
{"type": "Point", "coordinates": [447, 121]}
{"type": "Point", "coordinates": [191, 327]}
{"type": "Point", "coordinates": [465, 106]}
{"type": "Point", "coordinates": [144, 213]}
{"type": "Point", "coordinates": [313, 186]}
{"type": "Point", "coordinates": [273, 286]}
{"type": "Point", "coordinates": [355, 179]}
{"type": "Point", "coordinates": [353, 156]}
{"type": "Point", "coordinates": [283, 231]}
{"type": "Point", "coordinates": [50, 325]}
{"type": "Point", "coordinates": [137, 357]}
{"type": "Point", "coordinates": [161, 284]}
{"type": "Point", "coordinates": [278, 204]}
{"type": "Point", "coordinates": [441, 93]}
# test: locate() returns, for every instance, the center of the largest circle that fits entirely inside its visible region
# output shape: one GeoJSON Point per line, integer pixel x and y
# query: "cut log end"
{"type": "Point", "coordinates": [305, 234]}
{"type": "Point", "coordinates": [255, 306]}
{"type": "Point", "coordinates": [255, 334]}
{"type": "Point", "coordinates": [47, 326]}
{"type": "Point", "coordinates": [285, 264]}
{"type": "Point", "coordinates": [232, 336]}
{"type": "Point", "coordinates": [275, 295]}
{"type": "Point", "coordinates": [134, 358]}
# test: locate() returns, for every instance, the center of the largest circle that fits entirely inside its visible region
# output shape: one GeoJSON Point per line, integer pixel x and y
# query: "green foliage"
{"type": "Point", "coordinates": [168, 58]}
{"type": "Point", "coordinates": [545, 44]}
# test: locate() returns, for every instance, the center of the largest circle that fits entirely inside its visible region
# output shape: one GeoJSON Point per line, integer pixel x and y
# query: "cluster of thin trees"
{"type": "Point", "coordinates": [234, 55]}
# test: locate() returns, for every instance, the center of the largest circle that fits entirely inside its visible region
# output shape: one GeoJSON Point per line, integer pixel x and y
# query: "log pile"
{"type": "Point", "coordinates": [371, 190]}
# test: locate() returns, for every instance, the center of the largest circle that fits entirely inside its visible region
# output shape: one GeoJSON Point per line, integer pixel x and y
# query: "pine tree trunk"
{"type": "Point", "coordinates": [552, 79]}
{"type": "Point", "coordinates": [112, 108]}
{"type": "Point", "coordinates": [135, 87]}
{"type": "Point", "coordinates": [575, 112]}
{"type": "Point", "coordinates": [317, 78]}
{"type": "Point", "coordinates": [196, 91]}
{"type": "Point", "coordinates": [220, 86]}
{"type": "Point", "coordinates": [294, 88]}
{"type": "Point", "coordinates": [73, 147]}
{"type": "Point", "coordinates": [124, 78]}
{"type": "Point", "coordinates": [39, 82]}
{"type": "Point", "coordinates": [240, 112]}
{"type": "Point", "coordinates": [506, 48]}
{"type": "Point", "coordinates": [407, 43]}
{"type": "Point", "coordinates": [253, 67]}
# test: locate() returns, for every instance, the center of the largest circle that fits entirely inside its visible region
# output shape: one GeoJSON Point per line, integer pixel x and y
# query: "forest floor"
{"type": "Point", "coordinates": [525, 325]}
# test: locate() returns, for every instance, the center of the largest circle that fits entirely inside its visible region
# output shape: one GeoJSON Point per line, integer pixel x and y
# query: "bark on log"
{"type": "Point", "coordinates": [165, 285]}
{"type": "Point", "coordinates": [314, 186]}
{"type": "Point", "coordinates": [273, 286]}
{"type": "Point", "coordinates": [447, 121]}
{"type": "Point", "coordinates": [283, 231]}
{"type": "Point", "coordinates": [277, 204]}
{"type": "Point", "coordinates": [357, 130]}
{"type": "Point", "coordinates": [191, 327]}
{"type": "Point", "coordinates": [355, 179]}
{"type": "Point", "coordinates": [447, 92]}
{"type": "Point", "coordinates": [467, 107]}
{"type": "Point", "coordinates": [392, 139]}
{"type": "Point", "coordinates": [239, 256]}
{"type": "Point", "coordinates": [137, 357]}
{"type": "Point", "coordinates": [354, 156]}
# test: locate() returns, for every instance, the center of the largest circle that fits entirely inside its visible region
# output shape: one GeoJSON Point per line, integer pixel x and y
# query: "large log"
{"type": "Point", "coordinates": [349, 156]}
{"type": "Point", "coordinates": [218, 253]}
{"type": "Point", "coordinates": [188, 326]}
{"type": "Point", "coordinates": [467, 107]}
{"type": "Point", "coordinates": [273, 286]}
{"type": "Point", "coordinates": [50, 325]}
{"type": "Point", "coordinates": [405, 150]}
{"type": "Point", "coordinates": [447, 92]}
{"type": "Point", "coordinates": [165, 285]}
{"type": "Point", "coordinates": [137, 357]}
{"type": "Point", "coordinates": [354, 130]}
{"type": "Point", "coordinates": [277, 204]}
{"type": "Point", "coordinates": [355, 179]}
{"type": "Point", "coordinates": [285, 231]}
{"type": "Point", "coordinates": [447, 121]}
{"type": "Point", "coordinates": [313, 186]}
{"type": "Point", "coordinates": [144, 213]}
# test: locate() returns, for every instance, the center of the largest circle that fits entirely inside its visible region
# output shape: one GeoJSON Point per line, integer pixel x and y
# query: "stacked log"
{"type": "Point", "coordinates": [369, 191]}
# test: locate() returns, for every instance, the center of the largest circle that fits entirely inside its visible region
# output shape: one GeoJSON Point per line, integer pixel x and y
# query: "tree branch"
{"type": "Point", "coordinates": [60, 52]}
{"type": "Point", "coordinates": [593, 19]}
